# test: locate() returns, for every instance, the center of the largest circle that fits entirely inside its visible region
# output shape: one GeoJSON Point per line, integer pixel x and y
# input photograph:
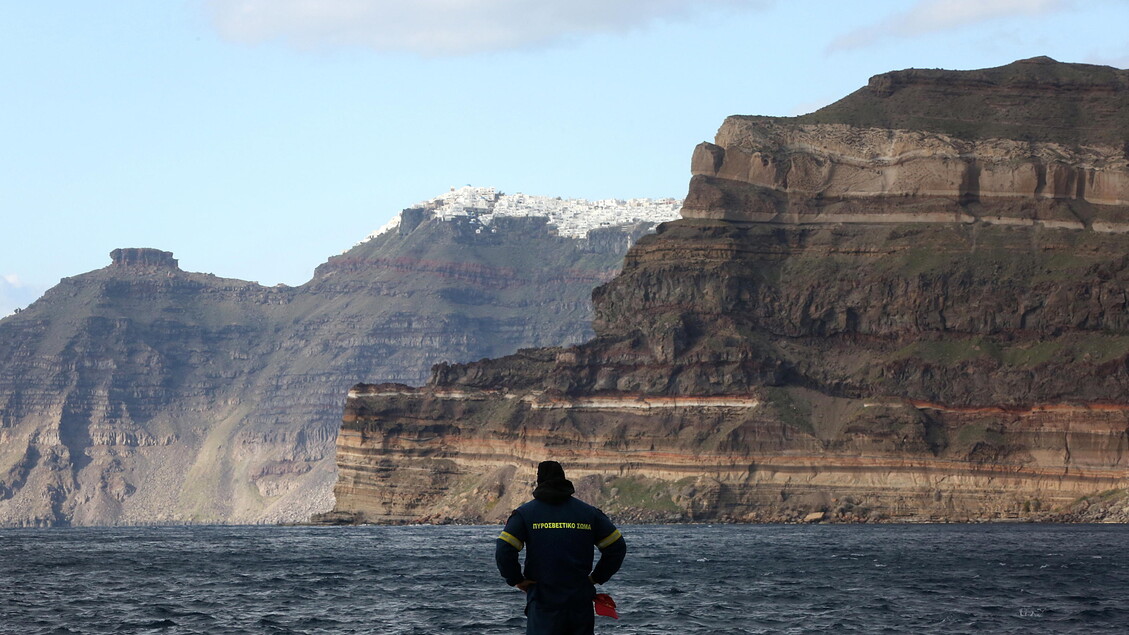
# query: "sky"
{"type": "Point", "coordinates": [256, 138]}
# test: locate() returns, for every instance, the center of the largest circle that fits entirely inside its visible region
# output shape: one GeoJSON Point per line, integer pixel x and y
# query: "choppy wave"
{"type": "Point", "coordinates": [677, 579]}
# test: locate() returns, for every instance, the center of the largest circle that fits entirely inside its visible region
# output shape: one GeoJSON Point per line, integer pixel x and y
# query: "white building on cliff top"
{"type": "Point", "coordinates": [572, 217]}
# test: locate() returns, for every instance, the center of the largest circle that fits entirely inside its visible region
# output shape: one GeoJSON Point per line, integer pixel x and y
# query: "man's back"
{"type": "Point", "coordinates": [559, 538]}
{"type": "Point", "coordinates": [559, 533]}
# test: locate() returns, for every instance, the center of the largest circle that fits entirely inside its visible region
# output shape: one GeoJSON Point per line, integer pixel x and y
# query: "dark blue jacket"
{"type": "Point", "coordinates": [558, 532]}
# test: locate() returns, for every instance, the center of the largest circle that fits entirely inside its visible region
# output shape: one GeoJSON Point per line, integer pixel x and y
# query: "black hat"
{"type": "Point", "coordinates": [547, 470]}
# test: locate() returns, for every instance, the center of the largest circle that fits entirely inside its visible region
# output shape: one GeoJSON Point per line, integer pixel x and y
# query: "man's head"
{"type": "Point", "coordinates": [549, 470]}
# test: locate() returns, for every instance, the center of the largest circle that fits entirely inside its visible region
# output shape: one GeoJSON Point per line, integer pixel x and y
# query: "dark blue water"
{"type": "Point", "coordinates": [677, 579]}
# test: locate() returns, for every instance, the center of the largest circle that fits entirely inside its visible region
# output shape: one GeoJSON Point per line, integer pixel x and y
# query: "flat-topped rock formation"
{"type": "Point", "coordinates": [910, 305]}
{"type": "Point", "coordinates": [143, 257]}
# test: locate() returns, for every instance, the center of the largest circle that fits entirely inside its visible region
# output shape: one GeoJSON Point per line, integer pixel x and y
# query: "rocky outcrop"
{"type": "Point", "coordinates": [769, 172]}
{"type": "Point", "coordinates": [1035, 142]}
{"type": "Point", "coordinates": [866, 321]}
{"type": "Point", "coordinates": [141, 393]}
{"type": "Point", "coordinates": [153, 258]}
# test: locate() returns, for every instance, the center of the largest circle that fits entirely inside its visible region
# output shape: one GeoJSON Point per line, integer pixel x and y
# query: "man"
{"type": "Point", "coordinates": [559, 532]}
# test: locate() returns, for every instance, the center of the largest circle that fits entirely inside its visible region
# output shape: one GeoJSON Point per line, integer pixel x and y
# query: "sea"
{"type": "Point", "coordinates": [717, 579]}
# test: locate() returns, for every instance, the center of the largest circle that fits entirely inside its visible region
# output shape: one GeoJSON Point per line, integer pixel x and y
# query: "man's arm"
{"type": "Point", "coordinates": [612, 548]}
{"type": "Point", "coordinates": [509, 543]}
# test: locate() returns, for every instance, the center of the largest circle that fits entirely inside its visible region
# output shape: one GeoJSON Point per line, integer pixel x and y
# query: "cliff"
{"type": "Point", "coordinates": [141, 393]}
{"type": "Point", "coordinates": [1034, 142]}
{"type": "Point", "coordinates": [908, 305]}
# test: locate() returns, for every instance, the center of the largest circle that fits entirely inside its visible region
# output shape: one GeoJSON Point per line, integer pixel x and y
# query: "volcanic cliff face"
{"type": "Point", "coordinates": [141, 393]}
{"type": "Point", "coordinates": [913, 303]}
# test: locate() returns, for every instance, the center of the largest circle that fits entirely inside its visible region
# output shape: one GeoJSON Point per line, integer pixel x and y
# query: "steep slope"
{"type": "Point", "coordinates": [140, 393]}
{"type": "Point", "coordinates": [927, 320]}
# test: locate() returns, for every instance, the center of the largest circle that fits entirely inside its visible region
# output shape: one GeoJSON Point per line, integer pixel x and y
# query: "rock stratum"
{"type": "Point", "coordinates": [912, 304]}
{"type": "Point", "coordinates": [141, 393]}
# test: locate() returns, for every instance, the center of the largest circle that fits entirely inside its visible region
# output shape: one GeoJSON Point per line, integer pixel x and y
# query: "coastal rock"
{"type": "Point", "coordinates": [910, 305]}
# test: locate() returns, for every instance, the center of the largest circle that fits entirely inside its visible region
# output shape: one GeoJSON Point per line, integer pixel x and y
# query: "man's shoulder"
{"type": "Point", "coordinates": [579, 504]}
{"type": "Point", "coordinates": [530, 509]}
{"type": "Point", "coordinates": [581, 509]}
{"type": "Point", "coordinates": [572, 503]}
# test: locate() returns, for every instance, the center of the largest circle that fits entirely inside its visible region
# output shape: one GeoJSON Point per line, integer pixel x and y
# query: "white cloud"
{"type": "Point", "coordinates": [931, 16]}
{"type": "Point", "coordinates": [443, 27]}
{"type": "Point", "coordinates": [15, 294]}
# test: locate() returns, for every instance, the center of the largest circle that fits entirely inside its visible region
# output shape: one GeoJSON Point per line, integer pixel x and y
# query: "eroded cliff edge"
{"type": "Point", "coordinates": [911, 304]}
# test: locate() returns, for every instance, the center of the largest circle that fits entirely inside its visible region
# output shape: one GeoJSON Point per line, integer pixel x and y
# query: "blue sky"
{"type": "Point", "coordinates": [256, 138]}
